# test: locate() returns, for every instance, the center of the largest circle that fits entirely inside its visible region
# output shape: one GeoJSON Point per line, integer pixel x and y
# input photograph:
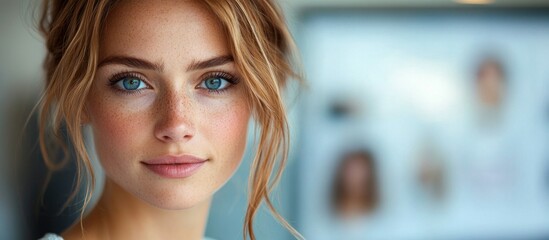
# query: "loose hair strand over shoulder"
{"type": "Point", "coordinates": [71, 30]}
{"type": "Point", "coordinates": [261, 45]}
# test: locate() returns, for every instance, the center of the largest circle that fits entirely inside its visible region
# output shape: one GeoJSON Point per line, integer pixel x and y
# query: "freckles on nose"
{"type": "Point", "coordinates": [174, 104]}
{"type": "Point", "coordinates": [174, 117]}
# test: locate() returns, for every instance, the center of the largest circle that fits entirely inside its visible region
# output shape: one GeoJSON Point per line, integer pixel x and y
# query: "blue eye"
{"type": "Point", "coordinates": [131, 84]}
{"type": "Point", "coordinates": [215, 83]}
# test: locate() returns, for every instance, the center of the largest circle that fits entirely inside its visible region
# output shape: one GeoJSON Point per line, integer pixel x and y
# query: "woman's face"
{"type": "Point", "coordinates": [168, 113]}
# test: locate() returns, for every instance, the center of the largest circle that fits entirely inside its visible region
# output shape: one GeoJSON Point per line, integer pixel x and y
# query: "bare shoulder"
{"type": "Point", "coordinates": [73, 233]}
{"type": "Point", "coordinates": [89, 228]}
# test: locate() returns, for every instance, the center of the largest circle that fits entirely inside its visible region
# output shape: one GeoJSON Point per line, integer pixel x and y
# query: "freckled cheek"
{"type": "Point", "coordinates": [117, 127]}
{"type": "Point", "coordinates": [225, 129]}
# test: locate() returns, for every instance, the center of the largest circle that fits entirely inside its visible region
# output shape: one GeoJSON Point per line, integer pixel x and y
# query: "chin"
{"type": "Point", "coordinates": [172, 198]}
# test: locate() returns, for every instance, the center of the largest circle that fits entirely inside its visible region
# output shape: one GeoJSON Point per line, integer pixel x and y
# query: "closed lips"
{"type": "Point", "coordinates": [173, 160]}
{"type": "Point", "coordinates": [175, 166]}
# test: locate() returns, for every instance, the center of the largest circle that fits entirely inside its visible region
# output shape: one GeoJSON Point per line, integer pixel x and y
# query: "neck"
{"type": "Point", "coordinates": [120, 215]}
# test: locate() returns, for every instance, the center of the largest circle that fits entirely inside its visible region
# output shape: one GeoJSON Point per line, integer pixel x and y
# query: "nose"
{"type": "Point", "coordinates": [174, 118]}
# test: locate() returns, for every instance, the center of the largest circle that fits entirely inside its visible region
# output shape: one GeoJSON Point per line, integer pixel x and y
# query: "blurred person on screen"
{"type": "Point", "coordinates": [491, 87]}
{"type": "Point", "coordinates": [494, 151]}
{"type": "Point", "coordinates": [355, 197]}
{"type": "Point", "coordinates": [491, 155]}
{"type": "Point", "coordinates": [355, 192]}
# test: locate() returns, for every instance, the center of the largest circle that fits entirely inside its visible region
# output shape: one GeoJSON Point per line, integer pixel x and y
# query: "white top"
{"type": "Point", "coordinates": [52, 236]}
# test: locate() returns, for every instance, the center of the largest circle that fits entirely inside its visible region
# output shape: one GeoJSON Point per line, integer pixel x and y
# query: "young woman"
{"type": "Point", "coordinates": [167, 89]}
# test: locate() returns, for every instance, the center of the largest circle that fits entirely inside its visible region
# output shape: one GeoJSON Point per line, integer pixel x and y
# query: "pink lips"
{"type": "Point", "coordinates": [174, 166]}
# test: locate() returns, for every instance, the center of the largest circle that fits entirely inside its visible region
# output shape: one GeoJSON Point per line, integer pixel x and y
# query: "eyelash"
{"type": "Point", "coordinates": [114, 79]}
{"type": "Point", "coordinates": [230, 78]}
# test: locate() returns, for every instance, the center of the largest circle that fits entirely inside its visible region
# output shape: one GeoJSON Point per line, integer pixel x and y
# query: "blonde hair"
{"type": "Point", "coordinates": [258, 39]}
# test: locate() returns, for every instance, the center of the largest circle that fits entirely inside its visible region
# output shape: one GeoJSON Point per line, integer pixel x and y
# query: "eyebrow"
{"type": "Point", "coordinates": [213, 62]}
{"type": "Point", "coordinates": [144, 64]}
{"type": "Point", "coordinates": [131, 62]}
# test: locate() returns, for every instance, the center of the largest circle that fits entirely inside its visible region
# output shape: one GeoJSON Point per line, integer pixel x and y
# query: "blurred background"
{"type": "Point", "coordinates": [421, 119]}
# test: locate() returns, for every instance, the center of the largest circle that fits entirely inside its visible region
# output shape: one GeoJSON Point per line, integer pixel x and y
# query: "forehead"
{"type": "Point", "coordinates": [162, 29]}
